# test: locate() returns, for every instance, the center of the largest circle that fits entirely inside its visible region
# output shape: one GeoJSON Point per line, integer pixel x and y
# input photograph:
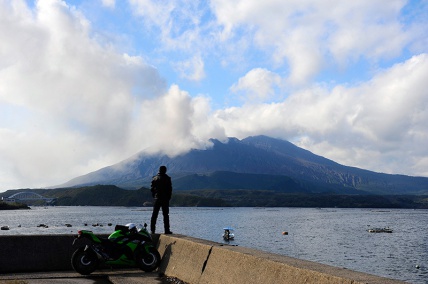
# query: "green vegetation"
{"type": "Point", "coordinates": [263, 198]}
{"type": "Point", "coordinates": [12, 206]}
{"type": "Point", "coordinates": [110, 195]}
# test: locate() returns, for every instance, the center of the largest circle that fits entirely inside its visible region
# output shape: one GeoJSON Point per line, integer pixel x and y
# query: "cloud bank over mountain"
{"type": "Point", "coordinates": [85, 84]}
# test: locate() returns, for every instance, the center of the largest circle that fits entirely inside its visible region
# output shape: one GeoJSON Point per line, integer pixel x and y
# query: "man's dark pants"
{"type": "Point", "coordinates": [164, 204]}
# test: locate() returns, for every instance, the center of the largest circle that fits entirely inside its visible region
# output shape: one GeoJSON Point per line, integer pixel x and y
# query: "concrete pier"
{"type": "Point", "coordinates": [189, 259]}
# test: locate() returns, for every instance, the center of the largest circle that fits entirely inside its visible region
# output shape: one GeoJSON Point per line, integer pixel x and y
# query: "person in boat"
{"type": "Point", "coordinates": [161, 189]}
{"type": "Point", "coordinates": [226, 234]}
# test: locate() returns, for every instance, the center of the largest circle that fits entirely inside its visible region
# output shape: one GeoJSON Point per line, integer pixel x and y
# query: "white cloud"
{"type": "Point", "coordinates": [177, 24]}
{"type": "Point", "coordinates": [306, 34]}
{"type": "Point", "coordinates": [70, 104]}
{"type": "Point", "coordinates": [378, 125]}
{"type": "Point", "coordinates": [299, 37]}
{"type": "Point", "coordinates": [192, 69]}
{"type": "Point", "coordinates": [109, 3]}
{"type": "Point", "coordinates": [176, 122]}
{"type": "Point", "coordinates": [75, 99]}
{"type": "Point", "coordinates": [257, 85]}
{"type": "Point", "coordinates": [73, 78]}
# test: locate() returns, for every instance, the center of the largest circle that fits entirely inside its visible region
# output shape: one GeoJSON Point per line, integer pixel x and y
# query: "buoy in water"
{"type": "Point", "coordinates": [285, 233]}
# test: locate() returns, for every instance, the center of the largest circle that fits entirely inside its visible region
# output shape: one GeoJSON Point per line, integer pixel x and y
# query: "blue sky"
{"type": "Point", "coordinates": [86, 84]}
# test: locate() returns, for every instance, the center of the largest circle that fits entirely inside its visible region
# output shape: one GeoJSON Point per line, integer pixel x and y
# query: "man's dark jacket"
{"type": "Point", "coordinates": [161, 187]}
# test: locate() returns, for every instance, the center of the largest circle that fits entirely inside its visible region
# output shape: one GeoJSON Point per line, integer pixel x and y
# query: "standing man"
{"type": "Point", "coordinates": [161, 191]}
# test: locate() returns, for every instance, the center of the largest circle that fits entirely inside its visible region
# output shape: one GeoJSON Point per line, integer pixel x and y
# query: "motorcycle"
{"type": "Point", "coordinates": [127, 245]}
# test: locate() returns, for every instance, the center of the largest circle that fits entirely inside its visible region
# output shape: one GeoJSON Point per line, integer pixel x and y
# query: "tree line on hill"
{"type": "Point", "coordinates": [12, 206]}
{"type": "Point", "coordinates": [110, 195]}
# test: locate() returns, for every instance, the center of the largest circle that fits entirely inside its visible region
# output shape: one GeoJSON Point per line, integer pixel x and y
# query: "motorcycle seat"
{"type": "Point", "coordinates": [122, 228]}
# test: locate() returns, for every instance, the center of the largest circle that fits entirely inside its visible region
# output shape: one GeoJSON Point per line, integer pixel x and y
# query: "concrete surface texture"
{"type": "Point", "coordinates": [203, 262]}
{"type": "Point", "coordinates": [119, 276]}
{"type": "Point", "coordinates": [41, 258]}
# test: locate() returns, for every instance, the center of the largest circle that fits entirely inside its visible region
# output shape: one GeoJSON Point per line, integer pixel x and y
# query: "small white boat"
{"type": "Point", "coordinates": [5, 228]}
{"type": "Point", "coordinates": [228, 235]}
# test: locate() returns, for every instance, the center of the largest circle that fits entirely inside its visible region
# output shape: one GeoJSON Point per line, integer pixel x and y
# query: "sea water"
{"type": "Point", "coordinates": [336, 237]}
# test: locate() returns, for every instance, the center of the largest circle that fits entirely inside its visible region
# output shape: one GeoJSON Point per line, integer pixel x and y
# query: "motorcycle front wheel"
{"type": "Point", "coordinates": [84, 261]}
{"type": "Point", "coordinates": [148, 261]}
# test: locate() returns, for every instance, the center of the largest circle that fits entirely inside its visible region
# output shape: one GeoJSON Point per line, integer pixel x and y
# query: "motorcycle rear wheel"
{"type": "Point", "coordinates": [84, 262]}
{"type": "Point", "coordinates": [148, 261]}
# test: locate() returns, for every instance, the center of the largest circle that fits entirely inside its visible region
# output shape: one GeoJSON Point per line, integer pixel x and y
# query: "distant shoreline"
{"type": "Point", "coordinates": [110, 195]}
{"type": "Point", "coordinates": [13, 206]}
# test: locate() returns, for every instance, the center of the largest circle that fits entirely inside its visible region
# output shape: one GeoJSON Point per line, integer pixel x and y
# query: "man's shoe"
{"type": "Point", "coordinates": [168, 233]}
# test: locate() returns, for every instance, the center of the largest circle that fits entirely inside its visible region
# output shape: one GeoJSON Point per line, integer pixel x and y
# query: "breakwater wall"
{"type": "Point", "coordinates": [30, 253]}
{"type": "Point", "coordinates": [189, 259]}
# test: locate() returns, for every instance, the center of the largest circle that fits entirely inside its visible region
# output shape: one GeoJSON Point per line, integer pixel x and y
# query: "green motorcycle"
{"type": "Point", "coordinates": [127, 245]}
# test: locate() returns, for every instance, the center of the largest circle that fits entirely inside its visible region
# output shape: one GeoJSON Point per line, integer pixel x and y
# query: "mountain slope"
{"type": "Point", "coordinates": [291, 168]}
